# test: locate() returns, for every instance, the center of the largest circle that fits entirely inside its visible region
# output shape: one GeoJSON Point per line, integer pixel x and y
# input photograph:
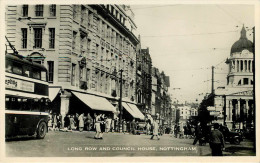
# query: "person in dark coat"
{"type": "Point", "coordinates": [216, 141]}
{"type": "Point", "coordinates": [102, 125]}
{"type": "Point", "coordinates": [67, 122]}
{"type": "Point", "coordinates": [133, 127]}
{"type": "Point", "coordinates": [198, 134]}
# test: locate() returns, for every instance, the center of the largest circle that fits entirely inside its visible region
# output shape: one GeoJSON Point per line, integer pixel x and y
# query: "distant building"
{"type": "Point", "coordinates": [144, 80]}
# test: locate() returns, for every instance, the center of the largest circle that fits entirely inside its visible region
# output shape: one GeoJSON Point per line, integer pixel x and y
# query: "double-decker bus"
{"type": "Point", "coordinates": [26, 97]}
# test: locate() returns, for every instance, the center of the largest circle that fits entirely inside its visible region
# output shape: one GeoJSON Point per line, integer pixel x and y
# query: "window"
{"type": "Point", "coordinates": [53, 10]}
{"type": "Point", "coordinates": [25, 10]}
{"type": "Point", "coordinates": [74, 40]}
{"type": "Point", "coordinates": [37, 37]}
{"type": "Point", "coordinates": [50, 71]}
{"type": "Point", "coordinates": [8, 66]}
{"type": "Point", "coordinates": [245, 81]}
{"type": "Point", "coordinates": [51, 38]}
{"type": "Point", "coordinates": [73, 72]}
{"type": "Point", "coordinates": [17, 69]}
{"type": "Point", "coordinates": [39, 10]}
{"type": "Point", "coordinates": [27, 71]}
{"type": "Point", "coordinates": [24, 38]}
{"type": "Point", "coordinates": [36, 74]}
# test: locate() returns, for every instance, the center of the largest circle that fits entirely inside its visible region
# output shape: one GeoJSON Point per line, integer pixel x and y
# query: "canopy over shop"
{"type": "Point", "coordinates": [95, 103]}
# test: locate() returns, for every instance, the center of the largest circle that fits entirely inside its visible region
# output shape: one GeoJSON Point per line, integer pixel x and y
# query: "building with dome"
{"type": "Point", "coordinates": [234, 104]}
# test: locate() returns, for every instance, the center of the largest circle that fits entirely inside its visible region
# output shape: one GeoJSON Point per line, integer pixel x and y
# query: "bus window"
{"type": "Point", "coordinates": [36, 105]}
{"type": "Point", "coordinates": [43, 75]}
{"type": "Point", "coordinates": [27, 71]}
{"type": "Point", "coordinates": [8, 66]}
{"type": "Point", "coordinates": [11, 103]}
{"type": "Point", "coordinates": [17, 69]}
{"type": "Point", "coordinates": [25, 106]}
{"type": "Point", "coordinates": [36, 74]}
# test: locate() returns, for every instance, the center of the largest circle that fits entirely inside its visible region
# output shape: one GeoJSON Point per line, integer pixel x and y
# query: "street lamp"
{"type": "Point", "coordinates": [120, 101]}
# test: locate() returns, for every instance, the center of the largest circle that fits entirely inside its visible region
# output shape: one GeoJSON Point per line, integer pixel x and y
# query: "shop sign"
{"type": "Point", "coordinates": [19, 84]}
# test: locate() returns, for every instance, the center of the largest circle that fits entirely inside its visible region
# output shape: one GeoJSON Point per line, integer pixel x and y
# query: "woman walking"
{"type": "Point", "coordinates": [81, 122]}
{"type": "Point", "coordinates": [97, 126]}
{"type": "Point", "coordinates": [155, 130]}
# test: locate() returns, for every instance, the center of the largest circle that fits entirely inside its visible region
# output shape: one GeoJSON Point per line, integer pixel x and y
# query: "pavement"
{"type": "Point", "coordinates": [83, 144]}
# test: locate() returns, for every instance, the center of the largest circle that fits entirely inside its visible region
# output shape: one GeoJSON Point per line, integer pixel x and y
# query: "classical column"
{"type": "Point", "coordinates": [229, 111]}
{"type": "Point", "coordinates": [244, 65]}
{"type": "Point", "coordinates": [251, 66]}
{"type": "Point", "coordinates": [247, 108]}
{"type": "Point", "coordinates": [238, 108]}
{"type": "Point", "coordinates": [247, 65]}
{"type": "Point", "coordinates": [64, 106]}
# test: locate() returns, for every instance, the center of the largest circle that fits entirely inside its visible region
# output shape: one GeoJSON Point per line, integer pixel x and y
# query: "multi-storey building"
{"type": "Point", "coordinates": [161, 100]}
{"type": "Point", "coordinates": [144, 80]}
{"type": "Point", "coordinates": [234, 103]}
{"type": "Point", "coordinates": [84, 47]}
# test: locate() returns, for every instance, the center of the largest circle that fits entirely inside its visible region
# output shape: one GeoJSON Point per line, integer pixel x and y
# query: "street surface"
{"type": "Point", "coordinates": [82, 144]}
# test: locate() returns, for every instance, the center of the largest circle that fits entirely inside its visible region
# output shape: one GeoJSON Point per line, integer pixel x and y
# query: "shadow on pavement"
{"type": "Point", "coordinates": [23, 138]}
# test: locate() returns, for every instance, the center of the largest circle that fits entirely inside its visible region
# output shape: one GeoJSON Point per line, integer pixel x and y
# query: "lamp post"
{"type": "Point", "coordinates": [120, 100]}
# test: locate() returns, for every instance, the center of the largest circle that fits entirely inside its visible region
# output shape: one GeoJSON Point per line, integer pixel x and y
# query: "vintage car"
{"type": "Point", "coordinates": [233, 137]}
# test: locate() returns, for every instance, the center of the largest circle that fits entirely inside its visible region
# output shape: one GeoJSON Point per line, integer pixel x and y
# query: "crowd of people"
{"type": "Point", "coordinates": [102, 123]}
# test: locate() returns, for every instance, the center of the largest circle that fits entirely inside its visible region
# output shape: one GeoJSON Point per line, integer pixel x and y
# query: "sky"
{"type": "Point", "coordinates": [186, 40]}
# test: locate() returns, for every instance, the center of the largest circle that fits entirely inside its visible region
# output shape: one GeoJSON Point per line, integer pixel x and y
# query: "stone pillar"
{"type": "Point", "coordinates": [244, 65]}
{"type": "Point", "coordinates": [228, 110]}
{"type": "Point", "coordinates": [251, 66]}
{"type": "Point", "coordinates": [247, 65]}
{"type": "Point", "coordinates": [238, 66]}
{"type": "Point", "coordinates": [247, 108]}
{"type": "Point", "coordinates": [238, 108]}
{"type": "Point", "coordinates": [64, 106]}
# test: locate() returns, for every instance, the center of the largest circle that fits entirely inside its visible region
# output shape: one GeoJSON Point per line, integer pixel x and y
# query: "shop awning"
{"type": "Point", "coordinates": [53, 93]}
{"type": "Point", "coordinates": [94, 102]}
{"type": "Point", "coordinates": [136, 110]}
{"type": "Point", "coordinates": [129, 110]}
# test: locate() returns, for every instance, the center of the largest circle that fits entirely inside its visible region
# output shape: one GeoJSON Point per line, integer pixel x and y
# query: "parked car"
{"type": "Point", "coordinates": [233, 137]}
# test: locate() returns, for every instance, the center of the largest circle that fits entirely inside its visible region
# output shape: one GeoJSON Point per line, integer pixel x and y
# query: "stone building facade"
{"type": "Point", "coordinates": [144, 81]}
{"type": "Point", "coordinates": [234, 102]}
{"type": "Point", "coordinates": [84, 47]}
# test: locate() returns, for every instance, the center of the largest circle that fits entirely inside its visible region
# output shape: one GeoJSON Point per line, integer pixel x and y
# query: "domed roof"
{"type": "Point", "coordinates": [242, 43]}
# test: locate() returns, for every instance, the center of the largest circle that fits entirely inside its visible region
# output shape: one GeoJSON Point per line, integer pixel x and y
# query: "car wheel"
{"type": "Point", "coordinates": [41, 130]}
{"type": "Point", "coordinates": [236, 141]}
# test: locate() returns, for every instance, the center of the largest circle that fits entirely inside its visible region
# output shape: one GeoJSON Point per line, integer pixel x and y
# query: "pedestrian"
{"type": "Point", "coordinates": [108, 124]}
{"type": "Point", "coordinates": [59, 117]}
{"type": "Point", "coordinates": [155, 130]}
{"type": "Point", "coordinates": [54, 122]}
{"type": "Point", "coordinates": [198, 134]}
{"type": "Point", "coordinates": [148, 127]}
{"type": "Point", "coordinates": [216, 141]}
{"type": "Point", "coordinates": [72, 123]}
{"type": "Point", "coordinates": [175, 130]}
{"type": "Point", "coordinates": [97, 126]}
{"type": "Point", "coordinates": [88, 121]}
{"type": "Point", "coordinates": [102, 125]}
{"type": "Point", "coordinates": [124, 126]}
{"type": "Point", "coordinates": [113, 125]}
{"type": "Point", "coordinates": [50, 121]}
{"type": "Point", "coordinates": [67, 123]}
{"type": "Point", "coordinates": [76, 118]}
{"type": "Point", "coordinates": [81, 122]}
{"type": "Point", "coordinates": [185, 132]}
{"type": "Point", "coordinates": [133, 127]}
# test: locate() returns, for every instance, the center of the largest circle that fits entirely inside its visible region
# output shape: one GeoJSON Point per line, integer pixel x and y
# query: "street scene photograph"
{"type": "Point", "coordinates": [129, 80]}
